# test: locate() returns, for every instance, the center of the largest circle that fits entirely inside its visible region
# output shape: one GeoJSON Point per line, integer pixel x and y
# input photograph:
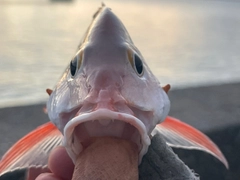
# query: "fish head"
{"type": "Point", "coordinates": [107, 90]}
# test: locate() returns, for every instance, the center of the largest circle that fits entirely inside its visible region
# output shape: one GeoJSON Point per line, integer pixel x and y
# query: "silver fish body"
{"type": "Point", "coordinates": [107, 90]}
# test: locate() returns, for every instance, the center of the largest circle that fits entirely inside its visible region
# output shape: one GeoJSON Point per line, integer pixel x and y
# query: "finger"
{"type": "Point", "coordinates": [60, 163]}
{"type": "Point", "coordinates": [47, 176]}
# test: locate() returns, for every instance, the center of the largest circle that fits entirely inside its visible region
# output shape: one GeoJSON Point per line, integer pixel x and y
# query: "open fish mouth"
{"type": "Point", "coordinates": [100, 123]}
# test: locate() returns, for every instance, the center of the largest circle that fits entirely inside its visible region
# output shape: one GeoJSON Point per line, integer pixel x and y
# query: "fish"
{"type": "Point", "coordinates": [107, 89]}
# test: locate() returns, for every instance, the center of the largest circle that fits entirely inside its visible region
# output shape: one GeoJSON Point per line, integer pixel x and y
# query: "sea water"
{"type": "Point", "coordinates": [185, 43]}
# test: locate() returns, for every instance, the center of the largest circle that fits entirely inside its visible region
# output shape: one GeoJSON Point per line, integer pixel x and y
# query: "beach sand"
{"type": "Point", "coordinates": [214, 110]}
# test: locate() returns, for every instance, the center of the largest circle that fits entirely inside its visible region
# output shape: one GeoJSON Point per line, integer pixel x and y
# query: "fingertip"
{"type": "Point", "coordinates": [60, 163]}
{"type": "Point", "coordinates": [47, 176]}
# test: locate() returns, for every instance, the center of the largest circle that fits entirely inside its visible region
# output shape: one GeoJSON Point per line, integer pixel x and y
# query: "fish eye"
{"type": "Point", "coordinates": [75, 64]}
{"type": "Point", "coordinates": [136, 62]}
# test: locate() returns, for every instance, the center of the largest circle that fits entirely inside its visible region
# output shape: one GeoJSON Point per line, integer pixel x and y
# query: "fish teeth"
{"type": "Point", "coordinates": [104, 122]}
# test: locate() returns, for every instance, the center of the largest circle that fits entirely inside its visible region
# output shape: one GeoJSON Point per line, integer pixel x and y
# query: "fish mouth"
{"type": "Point", "coordinates": [101, 123]}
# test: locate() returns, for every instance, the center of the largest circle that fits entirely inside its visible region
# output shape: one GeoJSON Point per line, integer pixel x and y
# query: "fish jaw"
{"type": "Point", "coordinates": [100, 123]}
{"type": "Point", "coordinates": [104, 113]}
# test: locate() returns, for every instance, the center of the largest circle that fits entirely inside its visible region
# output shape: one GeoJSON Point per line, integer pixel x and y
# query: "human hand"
{"type": "Point", "coordinates": [103, 158]}
{"type": "Point", "coordinates": [60, 165]}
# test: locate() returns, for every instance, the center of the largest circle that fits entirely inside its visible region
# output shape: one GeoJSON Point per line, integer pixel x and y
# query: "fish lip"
{"type": "Point", "coordinates": [85, 117]}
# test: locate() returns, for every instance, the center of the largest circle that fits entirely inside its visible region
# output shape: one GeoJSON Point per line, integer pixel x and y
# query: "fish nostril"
{"type": "Point", "coordinates": [119, 83]}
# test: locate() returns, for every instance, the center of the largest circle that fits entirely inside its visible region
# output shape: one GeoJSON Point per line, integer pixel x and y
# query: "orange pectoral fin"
{"type": "Point", "coordinates": [32, 150]}
{"type": "Point", "coordinates": [181, 135]}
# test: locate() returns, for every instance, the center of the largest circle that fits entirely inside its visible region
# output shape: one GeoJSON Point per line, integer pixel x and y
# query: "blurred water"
{"type": "Point", "coordinates": [186, 43]}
